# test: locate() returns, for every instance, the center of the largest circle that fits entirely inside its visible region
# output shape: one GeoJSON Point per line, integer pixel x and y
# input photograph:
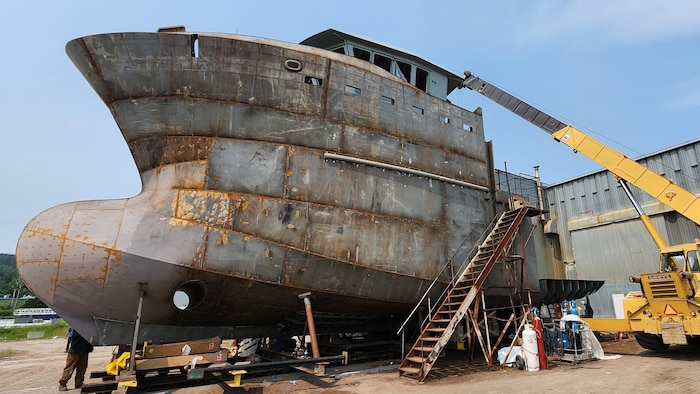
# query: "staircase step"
{"type": "Point", "coordinates": [470, 280]}
{"type": "Point", "coordinates": [410, 370]}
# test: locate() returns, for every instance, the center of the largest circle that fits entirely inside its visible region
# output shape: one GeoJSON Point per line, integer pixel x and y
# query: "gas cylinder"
{"type": "Point", "coordinates": [564, 308]}
{"type": "Point", "coordinates": [573, 311]}
{"type": "Point", "coordinates": [537, 326]}
{"type": "Point", "coordinates": [530, 348]}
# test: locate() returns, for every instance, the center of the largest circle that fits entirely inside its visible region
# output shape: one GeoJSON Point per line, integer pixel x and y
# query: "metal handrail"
{"type": "Point", "coordinates": [461, 269]}
{"type": "Point", "coordinates": [468, 259]}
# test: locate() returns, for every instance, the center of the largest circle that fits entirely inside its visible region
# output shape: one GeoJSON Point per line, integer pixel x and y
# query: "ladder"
{"type": "Point", "coordinates": [434, 337]}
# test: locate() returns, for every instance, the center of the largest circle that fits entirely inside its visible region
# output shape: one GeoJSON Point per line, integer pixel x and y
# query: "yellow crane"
{"type": "Point", "coordinates": [665, 311]}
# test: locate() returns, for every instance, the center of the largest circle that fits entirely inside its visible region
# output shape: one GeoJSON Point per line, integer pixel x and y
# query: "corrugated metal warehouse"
{"type": "Point", "coordinates": [596, 234]}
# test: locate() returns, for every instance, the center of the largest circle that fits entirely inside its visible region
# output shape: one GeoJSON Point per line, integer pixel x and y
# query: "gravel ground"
{"type": "Point", "coordinates": [36, 366]}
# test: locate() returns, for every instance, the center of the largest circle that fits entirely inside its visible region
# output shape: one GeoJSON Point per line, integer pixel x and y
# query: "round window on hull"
{"type": "Point", "coordinates": [189, 295]}
{"type": "Point", "coordinates": [293, 65]}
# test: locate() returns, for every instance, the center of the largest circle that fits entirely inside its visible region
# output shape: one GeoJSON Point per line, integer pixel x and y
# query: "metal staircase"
{"type": "Point", "coordinates": [434, 337]}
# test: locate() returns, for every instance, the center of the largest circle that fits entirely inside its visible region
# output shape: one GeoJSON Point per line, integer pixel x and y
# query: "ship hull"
{"type": "Point", "coordinates": [240, 208]}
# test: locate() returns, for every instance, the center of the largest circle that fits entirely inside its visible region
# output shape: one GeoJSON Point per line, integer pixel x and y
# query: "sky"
{"type": "Point", "coordinates": [625, 71]}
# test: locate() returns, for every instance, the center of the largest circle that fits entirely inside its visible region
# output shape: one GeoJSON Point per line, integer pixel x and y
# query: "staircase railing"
{"type": "Point", "coordinates": [431, 306]}
{"type": "Point", "coordinates": [461, 293]}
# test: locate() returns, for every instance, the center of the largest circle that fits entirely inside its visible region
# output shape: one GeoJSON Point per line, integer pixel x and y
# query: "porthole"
{"type": "Point", "coordinates": [292, 65]}
{"type": "Point", "coordinates": [189, 295]}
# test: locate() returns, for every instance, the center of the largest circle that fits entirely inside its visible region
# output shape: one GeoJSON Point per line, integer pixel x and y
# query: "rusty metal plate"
{"type": "Point", "coordinates": [247, 167]}
{"type": "Point", "coordinates": [364, 188]}
{"type": "Point", "coordinates": [244, 256]}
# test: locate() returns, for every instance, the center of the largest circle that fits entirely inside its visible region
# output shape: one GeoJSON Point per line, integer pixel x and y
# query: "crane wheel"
{"type": "Point", "coordinates": [651, 342]}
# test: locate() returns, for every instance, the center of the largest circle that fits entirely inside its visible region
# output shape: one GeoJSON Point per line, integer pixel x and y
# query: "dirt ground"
{"type": "Point", "coordinates": [37, 364]}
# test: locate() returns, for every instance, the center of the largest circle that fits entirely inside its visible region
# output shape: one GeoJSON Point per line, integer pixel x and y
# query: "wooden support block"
{"type": "Point", "coordinates": [673, 333]}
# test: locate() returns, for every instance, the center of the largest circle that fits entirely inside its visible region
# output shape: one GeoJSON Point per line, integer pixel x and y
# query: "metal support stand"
{"type": "Point", "coordinates": [310, 321]}
{"type": "Point", "coordinates": [486, 329]}
{"type": "Point", "coordinates": [135, 340]}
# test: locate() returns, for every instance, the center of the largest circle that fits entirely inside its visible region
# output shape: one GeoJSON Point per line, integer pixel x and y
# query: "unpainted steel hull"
{"type": "Point", "coordinates": [238, 199]}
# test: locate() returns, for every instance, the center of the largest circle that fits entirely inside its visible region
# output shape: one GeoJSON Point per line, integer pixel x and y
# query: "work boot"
{"type": "Point", "coordinates": [62, 387]}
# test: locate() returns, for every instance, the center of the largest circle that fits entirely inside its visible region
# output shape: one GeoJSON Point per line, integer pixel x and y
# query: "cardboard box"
{"type": "Point", "coordinates": [181, 361]}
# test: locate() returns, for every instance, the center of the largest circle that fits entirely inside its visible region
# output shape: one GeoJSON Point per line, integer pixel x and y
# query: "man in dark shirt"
{"type": "Point", "coordinates": [76, 360]}
{"type": "Point", "coordinates": [283, 340]}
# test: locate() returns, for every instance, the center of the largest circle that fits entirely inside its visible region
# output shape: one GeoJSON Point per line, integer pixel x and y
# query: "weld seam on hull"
{"type": "Point", "coordinates": [334, 156]}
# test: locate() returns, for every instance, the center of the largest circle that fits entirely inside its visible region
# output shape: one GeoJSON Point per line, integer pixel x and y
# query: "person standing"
{"type": "Point", "coordinates": [67, 337]}
{"type": "Point", "coordinates": [76, 360]}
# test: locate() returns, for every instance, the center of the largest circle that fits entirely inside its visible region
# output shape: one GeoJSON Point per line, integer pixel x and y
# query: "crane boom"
{"type": "Point", "coordinates": [663, 189]}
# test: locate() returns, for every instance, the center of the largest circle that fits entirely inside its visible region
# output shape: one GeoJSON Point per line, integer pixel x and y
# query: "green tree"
{"type": "Point", "coordinates": [8, 272]}
{"type": "Point", "coordinates": [11, 284]}
{"type": "Point", "coordinates": [33, 303]}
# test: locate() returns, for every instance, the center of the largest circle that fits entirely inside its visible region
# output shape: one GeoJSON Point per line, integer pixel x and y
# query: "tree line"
{"type": "Point", "coordinates": [11, 285]}
{"type": "Point", "coordinates": [9, 277]}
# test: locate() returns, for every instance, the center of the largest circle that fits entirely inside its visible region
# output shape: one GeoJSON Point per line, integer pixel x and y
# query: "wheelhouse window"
{"type": "Point", "coordinates": [361, 53]}
{"type": "Point", "coordinates": [421, 79]}
{"type": "Point", "coordinates": [410, 73]}
{"type": "Point", "coordinates": [382, 61]}
{"type": "Point", "coordinates": [403, 70]}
